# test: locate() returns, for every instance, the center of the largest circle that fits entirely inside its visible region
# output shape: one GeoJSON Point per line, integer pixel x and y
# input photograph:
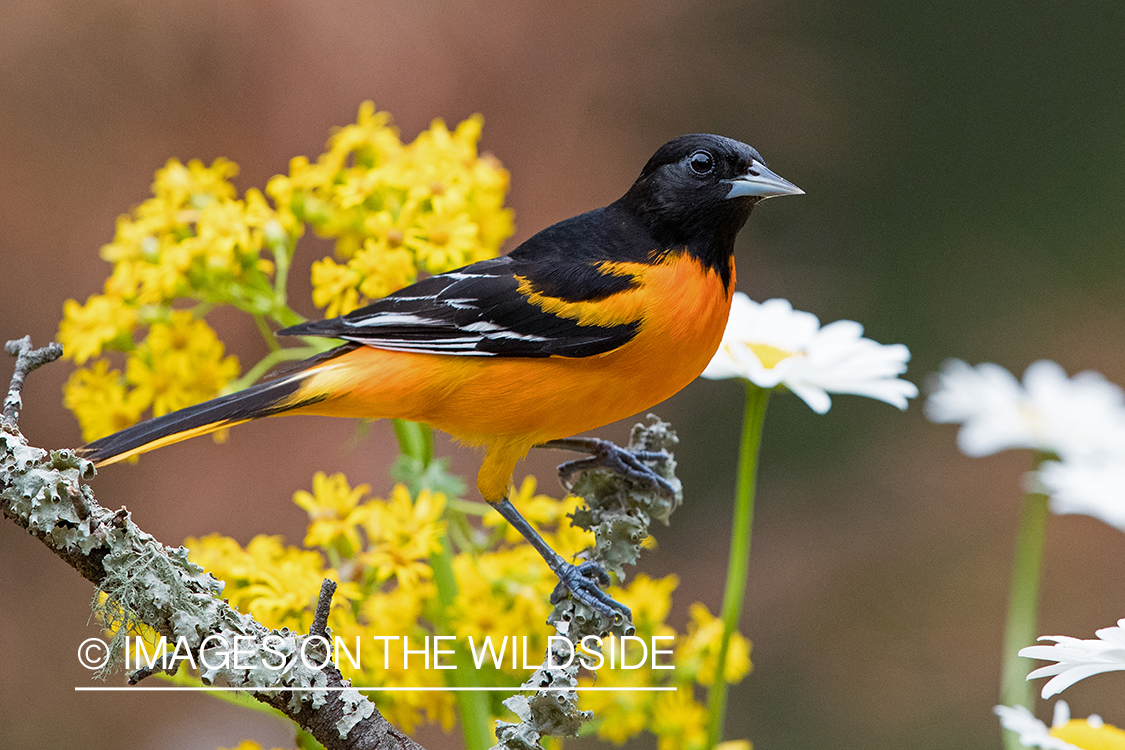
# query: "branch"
{"type": "Point", "coordinates": [26, 361]}
{"type": "Point", "coordinates": [147, 582]}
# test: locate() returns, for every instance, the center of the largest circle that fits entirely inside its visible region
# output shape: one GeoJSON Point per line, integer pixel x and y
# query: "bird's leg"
{"type": "Point", "coordinates": [608, 455]}
{"type": "Point", "coordinates": [584, 581]}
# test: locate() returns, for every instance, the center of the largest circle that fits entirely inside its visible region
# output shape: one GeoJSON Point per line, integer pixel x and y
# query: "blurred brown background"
{"type": "Point", "coordinates": [965, 170]}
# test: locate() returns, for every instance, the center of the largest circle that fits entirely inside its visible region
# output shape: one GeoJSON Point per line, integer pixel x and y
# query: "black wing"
{"type": "Point", "coordinates": [482, 310]}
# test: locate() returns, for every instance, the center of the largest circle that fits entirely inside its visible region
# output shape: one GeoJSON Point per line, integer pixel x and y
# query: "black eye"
{"type": "Point", "coordinates": [701, 162]}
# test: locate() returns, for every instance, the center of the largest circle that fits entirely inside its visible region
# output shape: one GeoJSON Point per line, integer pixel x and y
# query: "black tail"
{"type": "Point", "coordinates": [261, 400]}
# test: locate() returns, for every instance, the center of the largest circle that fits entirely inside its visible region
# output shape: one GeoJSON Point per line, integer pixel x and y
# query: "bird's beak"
{"type": "Point", "coordinates": [758, 181]}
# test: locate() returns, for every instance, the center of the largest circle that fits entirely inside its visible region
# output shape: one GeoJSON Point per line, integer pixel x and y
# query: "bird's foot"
{"type": "Point", "coordinates": [584, 583]}
{"type": "Point", "coordinates": [608, 455]}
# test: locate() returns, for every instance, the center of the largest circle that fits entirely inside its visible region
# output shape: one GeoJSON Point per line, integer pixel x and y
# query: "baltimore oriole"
{"type": "Point", "coordinates": [591, 320]}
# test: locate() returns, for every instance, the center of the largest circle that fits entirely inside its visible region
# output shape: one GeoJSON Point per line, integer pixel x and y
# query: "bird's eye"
{"type": "Point", "coordinates": [701, 162]}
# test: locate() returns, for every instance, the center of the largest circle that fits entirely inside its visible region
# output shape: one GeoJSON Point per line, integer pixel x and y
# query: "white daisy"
{"type": "Point", "coordinates": [1076, 659]}
{"type": "Point", "coordinates": [771, 345]}
{"type": "Point", "coordinates": [1083, 415]}
{"type": "Point", "coordinates": [1032, 732]}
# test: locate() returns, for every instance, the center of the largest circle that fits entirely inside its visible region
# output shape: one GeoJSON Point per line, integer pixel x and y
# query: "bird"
{"type": "Point", "coordinates": [593, 319]}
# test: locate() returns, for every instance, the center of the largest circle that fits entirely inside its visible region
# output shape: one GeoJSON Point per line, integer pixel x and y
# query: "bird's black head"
{"type": "Point", "coordinates": [697, 192]}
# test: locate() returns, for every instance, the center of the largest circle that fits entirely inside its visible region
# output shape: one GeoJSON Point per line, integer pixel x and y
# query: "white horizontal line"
{"type": "Point", "coordinates": [173, 688]}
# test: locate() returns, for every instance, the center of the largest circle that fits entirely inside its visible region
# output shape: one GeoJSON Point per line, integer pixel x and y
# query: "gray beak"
{"type": "Point", "coordinates": [760, 182]}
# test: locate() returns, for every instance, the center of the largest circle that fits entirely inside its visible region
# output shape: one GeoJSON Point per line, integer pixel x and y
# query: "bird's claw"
{"type": "Point", "coordinates": [584, 582]}
{"type": "Point", "coordinates": [608, 455]}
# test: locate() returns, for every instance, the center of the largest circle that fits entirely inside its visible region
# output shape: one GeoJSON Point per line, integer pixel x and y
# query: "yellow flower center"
{"type": "Point", "coordinates": [770, 355]}
{"type": "Point", "coordinates": [1034, 419]}
{"type": "Point", "coordinates": [1087, 736]}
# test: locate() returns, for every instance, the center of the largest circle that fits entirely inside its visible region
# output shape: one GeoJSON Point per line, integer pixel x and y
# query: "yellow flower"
{"type": "Point", "coordinates": [334, 287]}
{"type": "Point", "coordinates": [697, 654]}
{"type": "Point", "coordinates": [288, 191]}
{"type": "Point", "coordinates": [180, 363]}
{"type": "Point", "coordinates": [125, 280]}
{"type": "Point", "coordinates": [370, 141]}
{"type": "Point", "coordinates": [163, 278]}
{"type": "Point", "coordinates": [86, 329]}
{"type": "Point", "coordinates": [257, 211]}
{"type": "Point", "coordinates": [443, 242]}
{"type": "Point", "coordinates": [383, 269]}
{"type": "Point", "coordinates": [494, 225]}
{"type": "Point", "coordinates": [334, 512]}
{"type": "Point", "coordinates": [396, 612]}
{"type": "Point", "coordinates": [372, 188]}
{"type": "Point", "coordinates": [503, 593]}
{"type": "Point", "coordinates": [403, 534]}
{"type": "Point", "coordinates": [99, 399]}
{"type": "Point", "coordinates": [276, 583]}
{"type": "Point", "coordinates": [223, 237]}
{"type": "Point", "coordinates": [620, 714]}
{"type": "Point", "coordinates": [178, 184]}
{"type": "Point", "coordinates": [407, 709]}
{"type": "Point", "coordinates": [679, 721]}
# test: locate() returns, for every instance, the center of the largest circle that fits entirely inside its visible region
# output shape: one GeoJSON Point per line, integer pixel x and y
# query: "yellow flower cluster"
{"type": "Point", "coordinates": [193, 238]}
{"type": "Point", "coordinates": [381, 550]}
{"type": "Point", "coordinates": [394, 209]}
{"type": "Point", "coordinates": [699, 651]}
{"type": "Point", "coordinates": [179, 363]}
{"type": "Point", "coordinates": [278, 583]}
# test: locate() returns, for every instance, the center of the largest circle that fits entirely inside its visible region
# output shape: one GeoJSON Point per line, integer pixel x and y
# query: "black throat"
{"type": "Point", "coordinates": [706, 232]}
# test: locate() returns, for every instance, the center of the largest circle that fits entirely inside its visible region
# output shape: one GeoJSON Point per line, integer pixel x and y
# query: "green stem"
{"type": "Point", "coordinates": [1021, 630]}
{"type": "Point", "coordinates": [739, 560]}
{"type": "Point", "coordinates": [417, 442]}
{"type": "Point", "coordinates": [267, 334]}
{"type": "Point", "coordinates": [286, 316]}
{"type": "Point", "coordinates": [282, 254]}
{"type": "Point", "coordinates": [476, 713]}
